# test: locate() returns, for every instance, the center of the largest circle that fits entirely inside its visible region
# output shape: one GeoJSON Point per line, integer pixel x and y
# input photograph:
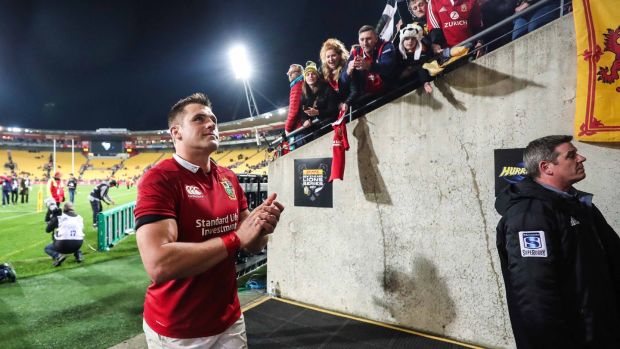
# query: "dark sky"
{"type": "Point", "coordinates": [89, 64]}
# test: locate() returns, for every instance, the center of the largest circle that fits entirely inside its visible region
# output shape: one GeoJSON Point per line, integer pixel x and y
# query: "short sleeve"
{"type": "Point", "coordinates": [156, 195]}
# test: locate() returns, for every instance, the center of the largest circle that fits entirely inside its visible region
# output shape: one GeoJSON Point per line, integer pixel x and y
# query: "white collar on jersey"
{"type": "Point", "coordinates": [186, 164]}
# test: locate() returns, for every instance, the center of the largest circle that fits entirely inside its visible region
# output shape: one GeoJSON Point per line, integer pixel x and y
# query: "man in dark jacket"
{"type": "Point", "coordinates": [560, 259]}
{"type": "Point", "coordinates": [372, 65]}
{"type": "Point", "coordinates": [98, 194]}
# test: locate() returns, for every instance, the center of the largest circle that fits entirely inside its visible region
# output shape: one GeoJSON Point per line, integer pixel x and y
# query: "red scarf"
{"type": "Point", "coordinates": [340, 145]}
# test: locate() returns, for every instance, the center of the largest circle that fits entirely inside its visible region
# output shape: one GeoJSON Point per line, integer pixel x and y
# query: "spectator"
{"type": "Point", "coordinates": [295, 78]}
{"type": "Point", "coordinates": [534, 19]}
{"type": "Point", "coordinates": [494, 11]}
{"type": "Point", "coordinates": [69, 236]}
{"type": "Point", "coordinates": [98, 194]}
{"type": "Point", "coordinates": [416, 13]}
{"type": "Point", "coordinates": [414, 54]}
{"type": "Point", "coordinates": [319, 102]}
{"type": "Point", "coordinates": [72, 186]}
{"type": "Point", "coordinates": [372, 64]}
{"type": "Point", "coordinates": [6, 190]}
{"type": "Point", "coordinates": [14, 189]}
{"type": "Point", "coordinates": [24, 186]}
{"type": "Point", "coordinates": [451, 22]}
{"type": "Point", "coordinates": [334, 57]}
{"type": "Point", "coordinates": [56, 188]}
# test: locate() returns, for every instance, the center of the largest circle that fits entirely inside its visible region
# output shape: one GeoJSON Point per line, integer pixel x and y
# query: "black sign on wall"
{"type": "Point", "coordinates": [509, 167]}
{"type": "Point", "coordinates": [311, 186]}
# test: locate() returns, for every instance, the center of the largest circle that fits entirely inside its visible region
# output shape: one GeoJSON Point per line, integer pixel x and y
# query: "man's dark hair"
{"type": "Point", "coordinates": [542, 149]}
{"type": "Point", "coordinates": [366, 28]}
{"type": "Point", "coordinates": [177, 108]}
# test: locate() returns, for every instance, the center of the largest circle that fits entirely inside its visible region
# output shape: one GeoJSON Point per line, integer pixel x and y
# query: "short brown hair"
{"type": "Point", "coordinates": [366, 28]}
{"type": "Point", "coordinates": [195, 98]}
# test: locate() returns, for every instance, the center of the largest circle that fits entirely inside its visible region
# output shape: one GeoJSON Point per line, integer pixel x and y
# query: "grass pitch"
{"type": "Point", "coordinates": [23, 236]}
{"type": "Point", "coordinates": [94, 304]}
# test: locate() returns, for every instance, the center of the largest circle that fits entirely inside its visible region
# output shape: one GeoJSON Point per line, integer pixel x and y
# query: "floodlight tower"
{"type": "Point", "coordinates": [241, 66]}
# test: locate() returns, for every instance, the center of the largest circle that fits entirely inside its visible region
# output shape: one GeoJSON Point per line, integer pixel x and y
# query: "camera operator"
{"type": "Point", "coordinates": [52, 209]}
{"type": "Point", "coordinates": [69, 236]}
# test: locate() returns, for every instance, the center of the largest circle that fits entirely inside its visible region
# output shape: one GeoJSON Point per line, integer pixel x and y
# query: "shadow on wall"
{"type": "Point", "coordinates": [478, 80]}
{"type": "Point", "coordinates": [420, 301]}
{"type": "Point", "coordinates": [371, 180]}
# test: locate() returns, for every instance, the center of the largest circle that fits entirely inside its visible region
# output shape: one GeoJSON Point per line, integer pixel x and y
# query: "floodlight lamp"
{"type": "Point", "coordinates": [281, 111]}
{"type": "Point", "coordinates": [239, 62]}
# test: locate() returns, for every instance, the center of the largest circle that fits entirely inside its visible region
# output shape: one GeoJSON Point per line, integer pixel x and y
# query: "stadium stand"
{"type": "Point", "coordinates": [135, 165]}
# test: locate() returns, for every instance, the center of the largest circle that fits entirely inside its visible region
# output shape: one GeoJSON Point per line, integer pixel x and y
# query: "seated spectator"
{"type": "Point", "coordinates": [319, 102]}
{"type": "Point", "coordinates": [334, 58]}
{"type": "Point", "coordinates": [534, 19]}
{"type": "Point", "coordinates": [69, 236]}
{"type": "Point", "coordinates": [414, 54]}
{"type": "Point", "coordinates": [372, 64]}
{"type": "Point", "coordinates": [451, 22]}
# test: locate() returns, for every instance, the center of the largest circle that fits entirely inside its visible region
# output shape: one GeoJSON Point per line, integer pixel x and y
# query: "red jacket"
{"type": "Point", "coordinates": [56, 189]}
{"type": "Point", "coordinates": [294, 99]}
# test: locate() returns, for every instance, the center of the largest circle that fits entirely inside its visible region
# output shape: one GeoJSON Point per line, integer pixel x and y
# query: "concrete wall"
{"type": "Point", "coordinates": [411, 237]}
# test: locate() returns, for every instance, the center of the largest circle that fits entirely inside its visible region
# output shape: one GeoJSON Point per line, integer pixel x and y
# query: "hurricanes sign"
{"type": "Point", "coordinates": [311, 185]}
{"type": "Point", "coordinates": [509, 167]}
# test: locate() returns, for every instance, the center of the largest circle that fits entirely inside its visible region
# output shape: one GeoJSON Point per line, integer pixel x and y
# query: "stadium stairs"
{"type": "Point", "coordinates": [410, 239]}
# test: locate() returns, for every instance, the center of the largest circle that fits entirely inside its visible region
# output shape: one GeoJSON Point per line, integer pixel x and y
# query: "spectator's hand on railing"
{"type": "Point", "coordinates": [436, 48]}
{"type": "Point", "coordinates": [428, 88]}
{"type": "Point", "coordinates": [479, 49]}
{"type": "Point", "coordinates": [522, 7]}
{"type": "Point", "coordinates": [306, 124]}
{"type": "Point", "coordinates": [343, 107]}
{"type": "Point", "coordinates": [311, 112]}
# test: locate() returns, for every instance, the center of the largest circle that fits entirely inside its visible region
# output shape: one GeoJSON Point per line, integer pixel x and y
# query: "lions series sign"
{"type": "Point", "coordinates": [311, 186]}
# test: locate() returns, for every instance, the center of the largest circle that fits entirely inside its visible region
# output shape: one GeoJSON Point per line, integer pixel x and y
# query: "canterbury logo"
{"type": "Point", "coordinates": [193, 190]}
{"type": "Point", "coordinates": [442, 9]}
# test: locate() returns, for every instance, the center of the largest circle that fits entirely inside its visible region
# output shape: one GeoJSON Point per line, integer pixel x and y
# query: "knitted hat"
{"type": "Point", "coordinates": [310, 66]}
{"type": "Point", "coordinates": [412, 30]}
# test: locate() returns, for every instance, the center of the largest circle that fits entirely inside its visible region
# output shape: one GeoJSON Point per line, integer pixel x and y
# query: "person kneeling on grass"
{"type": "Point", "coordinates": [69, 236]}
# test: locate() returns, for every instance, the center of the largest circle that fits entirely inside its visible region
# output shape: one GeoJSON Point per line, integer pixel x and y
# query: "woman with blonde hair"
{"type": "Point", "coordinates": [334, 57]}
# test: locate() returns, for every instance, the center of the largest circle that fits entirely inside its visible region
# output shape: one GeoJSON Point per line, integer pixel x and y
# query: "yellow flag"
{"type": "Point", "coordinates": [597, 30]}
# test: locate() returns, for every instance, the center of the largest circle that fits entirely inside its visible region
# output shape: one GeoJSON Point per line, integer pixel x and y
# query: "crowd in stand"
{"type": "Point", "coordinates": [430, 34]}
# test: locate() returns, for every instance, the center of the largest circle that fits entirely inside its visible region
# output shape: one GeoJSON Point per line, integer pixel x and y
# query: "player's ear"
{"type": "Point", "coordinates": [174, 132]}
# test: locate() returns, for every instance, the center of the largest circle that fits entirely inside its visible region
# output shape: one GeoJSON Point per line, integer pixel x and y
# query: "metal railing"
{"type": "Point", "coordinates": [401, 90]}
{"type": "Point", "coordinates": [115, 224]}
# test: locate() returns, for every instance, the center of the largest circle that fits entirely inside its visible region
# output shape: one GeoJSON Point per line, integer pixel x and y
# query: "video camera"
{"type": "Point", "coordinates": [52, 209]}
{"type": "Point", "coordinates": [7, 273]}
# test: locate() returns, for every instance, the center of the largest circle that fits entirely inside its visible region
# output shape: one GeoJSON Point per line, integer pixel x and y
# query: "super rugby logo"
{"type": "Point", "coordinates": [193, 191]}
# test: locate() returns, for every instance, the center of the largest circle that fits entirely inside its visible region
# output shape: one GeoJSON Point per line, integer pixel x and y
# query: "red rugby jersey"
{"type": "Point", "coordinates": [458, 19]}
{"type": "Point", "coordinates": [205, 206]}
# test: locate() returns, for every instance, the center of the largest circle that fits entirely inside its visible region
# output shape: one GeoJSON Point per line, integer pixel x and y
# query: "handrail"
{"type": "Point", "coordinates": [412, 85]}
{"type": "Point", "coordinates": [510, 19]}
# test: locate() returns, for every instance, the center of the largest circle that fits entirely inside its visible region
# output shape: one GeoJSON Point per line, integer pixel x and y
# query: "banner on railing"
{"type": "Point", "coordinates": [597, 31]}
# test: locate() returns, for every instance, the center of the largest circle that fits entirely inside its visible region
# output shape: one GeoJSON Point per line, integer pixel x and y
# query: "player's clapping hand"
{"type": "Point", "coordinates": [261, 222]}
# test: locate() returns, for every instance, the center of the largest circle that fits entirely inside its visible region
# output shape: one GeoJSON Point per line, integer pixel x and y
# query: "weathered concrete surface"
{"type": "Point", "coordinates": [411, 237]}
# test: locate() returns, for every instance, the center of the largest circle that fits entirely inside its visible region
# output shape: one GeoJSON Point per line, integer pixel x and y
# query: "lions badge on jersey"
{"type": "Point", "coordinates": [228, 187]}
{"type": "Point", "coordinates": [533, 243]}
